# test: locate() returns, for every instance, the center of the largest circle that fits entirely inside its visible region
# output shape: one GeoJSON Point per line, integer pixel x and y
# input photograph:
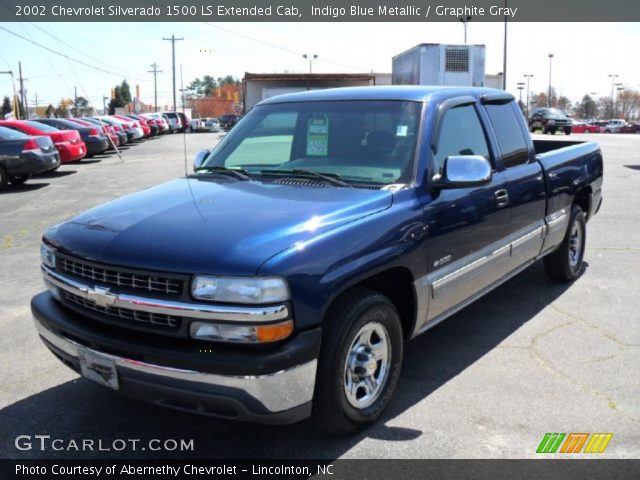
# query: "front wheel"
{"type": "Point", "coordinates": [566, 263]}
{"type": "Point", "coordinates": [360, 362]}
{"type": "Point", "coordinates": [567, 131]}
{"type": "Point", "coordinates": [19, 179]}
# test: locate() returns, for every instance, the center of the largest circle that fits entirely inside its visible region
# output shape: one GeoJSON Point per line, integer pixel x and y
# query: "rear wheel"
{"type": "Point", "coordinates": [567, 131]}
{"type": "Point", "coordinates": [359, 363]}
{"type": "Point", "coordinates": [566, 263]}
{"type": "Point", "coordinates": [19, 179]}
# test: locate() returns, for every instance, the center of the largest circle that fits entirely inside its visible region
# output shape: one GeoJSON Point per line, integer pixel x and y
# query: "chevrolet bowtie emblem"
{"type": "Point", "coordinates": [102, 297]}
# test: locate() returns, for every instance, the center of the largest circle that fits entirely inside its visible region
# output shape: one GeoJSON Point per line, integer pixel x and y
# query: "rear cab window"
{"type": "Point", "coordinates": [511, 139]}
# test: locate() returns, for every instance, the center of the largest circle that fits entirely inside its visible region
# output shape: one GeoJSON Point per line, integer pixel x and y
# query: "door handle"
{"type": "Point", "coordinates": [502, 198]}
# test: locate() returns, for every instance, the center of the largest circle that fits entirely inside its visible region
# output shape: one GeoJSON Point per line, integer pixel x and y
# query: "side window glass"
{"type": "Point", "coordinates": [461, 134]}
{"type": "Point", "coordinates": [511, 139]}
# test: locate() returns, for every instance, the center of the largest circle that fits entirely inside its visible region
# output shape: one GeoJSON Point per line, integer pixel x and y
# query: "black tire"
{"type": "Point", "coordinates": [532, 128]}
{"type": "Point", "coordinates": [553, 131]}
{"type": "Point", "coordinates": [545, 130]}
{"type": "Point", "coordinates": [359, 309]}
{"type": "Point", "coordinates": [567, 131]}
{"type": "Point", "coordinates": [563, 265]}
{"type": "Point", "coordinates": [19, 180]}
{"type": "Point", "coordinates": [4, 178]}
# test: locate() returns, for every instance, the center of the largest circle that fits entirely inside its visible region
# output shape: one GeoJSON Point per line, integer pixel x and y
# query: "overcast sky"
{"type": "Point", "coordinates": [585, 53]}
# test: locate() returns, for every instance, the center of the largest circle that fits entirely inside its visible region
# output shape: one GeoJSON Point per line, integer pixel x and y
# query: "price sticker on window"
{"type": "Point", "coordinates": [318, 136]}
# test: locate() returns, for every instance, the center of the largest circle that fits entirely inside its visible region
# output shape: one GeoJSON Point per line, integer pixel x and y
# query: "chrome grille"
{"type": "Point", "coordinates": [155, 319]}
{"type": "Point", "coordinates": [148, 283]}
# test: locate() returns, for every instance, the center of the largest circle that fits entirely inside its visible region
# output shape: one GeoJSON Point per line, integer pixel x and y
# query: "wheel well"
{"type": "Point", "coordinates": [583, 200]}
{"type": "Point", "coordinates": [397, 285]}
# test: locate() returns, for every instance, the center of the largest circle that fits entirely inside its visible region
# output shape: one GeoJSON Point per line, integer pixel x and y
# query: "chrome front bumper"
{"type": "Point", "coordinates": [276, 392]}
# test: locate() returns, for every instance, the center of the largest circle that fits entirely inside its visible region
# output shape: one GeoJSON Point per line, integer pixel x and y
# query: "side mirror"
{"type": "Point", "coordinates": [464, 171]}
{"type": "Point", "coordinates": [200, 157]}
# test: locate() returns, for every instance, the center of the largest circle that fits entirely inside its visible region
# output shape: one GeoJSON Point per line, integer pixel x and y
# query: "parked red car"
{"type": "Point", "coordinates": [68, 142]}
{"type": "Point", "coordinates": [107, 130]}
{"type": "Point", "coordinates": [585, 128]}
{"type": "Point", "coordinates": [138, 123]}
{"type": "Point", "coordinates": [630, 128]}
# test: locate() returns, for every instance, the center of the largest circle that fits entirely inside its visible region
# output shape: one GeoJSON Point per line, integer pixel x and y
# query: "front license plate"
{"type": "Point", "coordinates": [99, 368]}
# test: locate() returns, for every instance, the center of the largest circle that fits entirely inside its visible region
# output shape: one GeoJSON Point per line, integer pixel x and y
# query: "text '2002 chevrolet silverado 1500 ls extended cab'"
{"type": "Point", "coordinates": [282, 278]}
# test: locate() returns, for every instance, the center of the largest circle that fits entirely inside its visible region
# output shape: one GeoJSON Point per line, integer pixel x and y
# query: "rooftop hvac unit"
{"type": "Point", "coordinates": [436, 64]}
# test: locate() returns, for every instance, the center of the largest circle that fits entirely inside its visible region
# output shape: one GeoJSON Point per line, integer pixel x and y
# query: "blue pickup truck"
{"type": "Point", "coordinates": [281, 279]}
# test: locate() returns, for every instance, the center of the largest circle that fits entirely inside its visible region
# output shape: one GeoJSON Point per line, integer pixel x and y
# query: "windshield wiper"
{"type": "Point", "coordinates": [238, 173]}
{"type": "Point", "coordinates": [332, 178]}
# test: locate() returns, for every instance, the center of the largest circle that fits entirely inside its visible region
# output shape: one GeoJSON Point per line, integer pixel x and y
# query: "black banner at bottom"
{"type": "Point", "coordinates": [543, 468]}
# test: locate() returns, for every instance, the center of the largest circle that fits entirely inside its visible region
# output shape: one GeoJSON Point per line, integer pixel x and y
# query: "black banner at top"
{"type": "Point", "coordinates": [318, 10]}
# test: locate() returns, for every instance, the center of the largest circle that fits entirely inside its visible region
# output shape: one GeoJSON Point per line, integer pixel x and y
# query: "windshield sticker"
{"type": "Point", "coordinates": [318, 135]}
{"type": "Point", "coordinates": [402, 130]}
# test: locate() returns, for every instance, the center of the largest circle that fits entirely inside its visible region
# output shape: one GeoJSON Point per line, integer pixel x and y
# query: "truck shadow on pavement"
{"type": "Point", "coordinates": [79, 409]}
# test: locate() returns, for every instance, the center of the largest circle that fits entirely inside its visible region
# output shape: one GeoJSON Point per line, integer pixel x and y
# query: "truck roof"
{"type": "Point", "coordinates": [413, 93]}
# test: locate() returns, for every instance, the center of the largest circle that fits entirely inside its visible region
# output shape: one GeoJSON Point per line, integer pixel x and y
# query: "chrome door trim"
{"type": "Point", "coordinates": [497, 262]}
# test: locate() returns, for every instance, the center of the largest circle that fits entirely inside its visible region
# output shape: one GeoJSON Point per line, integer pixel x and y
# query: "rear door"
{"type": "Point", "coordinates": [466, 225]}
{"type": "Point", "coordinates": [525, 187]}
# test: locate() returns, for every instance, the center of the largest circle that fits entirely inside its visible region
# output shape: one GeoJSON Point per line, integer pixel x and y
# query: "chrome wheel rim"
{"type": "Point", "coordinates": [367, 365]}
{"type": "Point", "coordinates": [575, 244]}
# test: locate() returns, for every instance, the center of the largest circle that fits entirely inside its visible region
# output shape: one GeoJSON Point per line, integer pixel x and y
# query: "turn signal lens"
{"type": "Point", "coordinates": [224, 332]}
{"type": "Point", "coordinates": [273, 333]}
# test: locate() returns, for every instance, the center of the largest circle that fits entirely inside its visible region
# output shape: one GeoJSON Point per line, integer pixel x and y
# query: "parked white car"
{"type": "Point", "coordinates": [614, 125]}
{"type": "Point", "coordinates": [196, 125]}
{"type": "Point", "coordinates": [212, 125]}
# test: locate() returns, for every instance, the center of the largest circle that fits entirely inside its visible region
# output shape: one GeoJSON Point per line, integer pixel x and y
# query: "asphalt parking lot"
{"type": "Point", "coordinates": [531, 357]}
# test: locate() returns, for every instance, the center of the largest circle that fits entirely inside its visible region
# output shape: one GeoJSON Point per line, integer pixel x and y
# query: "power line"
{"type": "Point", "coordinates": [63, 55]}
{"type": "Point", "coordinates": [50, 33]}
{"type": "Point", "coordinates": [280, 47]}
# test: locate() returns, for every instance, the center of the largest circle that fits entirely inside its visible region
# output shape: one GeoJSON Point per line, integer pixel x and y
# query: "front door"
{"type": "Point", "coordinates": [466, 225]}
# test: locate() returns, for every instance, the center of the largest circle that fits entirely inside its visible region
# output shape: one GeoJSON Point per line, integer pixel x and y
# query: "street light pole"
{"type": "Point", "coordinates": [550, 62]}
{"type": "Point", "coordinates": [311, 58]}
{"type": "Point", "coordinates": [528, 77]}
{"type": "Point", "coordinates": [464, 21]}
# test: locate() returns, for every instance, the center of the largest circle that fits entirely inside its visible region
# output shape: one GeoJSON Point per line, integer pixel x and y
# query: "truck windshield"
{"type": "Point", "coordinates": [366, 142]}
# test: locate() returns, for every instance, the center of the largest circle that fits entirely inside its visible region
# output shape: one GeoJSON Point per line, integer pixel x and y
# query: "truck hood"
{"type": "Point", "coordinates": [206, 226]}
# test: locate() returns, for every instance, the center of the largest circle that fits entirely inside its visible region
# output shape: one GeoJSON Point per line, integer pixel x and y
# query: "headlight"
{"type": "Point", "coordinates": [47, 255]}
{"type": "Point", "coordinates": [253, 290]}
{"type": "Point", "coordinates": [241, 333]}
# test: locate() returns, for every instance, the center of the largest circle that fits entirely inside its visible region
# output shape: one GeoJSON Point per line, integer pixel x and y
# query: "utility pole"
{"type": "Point", "coordinates": [155, 72]}
{"type": "Point", "coordinates": [104, 104]}
{"type": "Point", "coordinates": [528, 77]}
{"type": "Point", "coordinates": [22, 99]}
{"type": "Point", "coordinates": [173, 41]}
{"type": "Point", "coordinates": [520, 87]}
{"type": "Point", "coordinates": [75, 100]}
{"type": "Point", "coordinates": [36, 103]}
{"type": "Point", "coordinates": [549, 99]}
{"type": "Point", "coordinates": [619, 89]}
{"type": "Point", "coordinates": [613, 81]}
{"type": "Point", "coordinates": [181, 88]}
{"type": "Point", "coordinates": [504, 55]}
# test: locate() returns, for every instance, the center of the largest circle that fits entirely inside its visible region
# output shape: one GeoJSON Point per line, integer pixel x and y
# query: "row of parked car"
{"type": "Point", "coordinates": [552, 120]}
{"type": "Point", "coordinates": [210, 124]}
{"type": "Point", "coordinates": [29, 147]}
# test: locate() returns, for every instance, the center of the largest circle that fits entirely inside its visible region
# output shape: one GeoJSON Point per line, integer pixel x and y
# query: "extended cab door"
{"type": "Point", "coordinates": [467, 226]}
{"type": "Point", "coordinates": [525, 186]}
